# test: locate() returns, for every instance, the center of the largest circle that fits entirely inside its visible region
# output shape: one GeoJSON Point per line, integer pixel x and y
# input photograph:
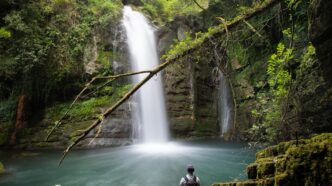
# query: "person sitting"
{"type": "Point", "coordinates": [190, 179]}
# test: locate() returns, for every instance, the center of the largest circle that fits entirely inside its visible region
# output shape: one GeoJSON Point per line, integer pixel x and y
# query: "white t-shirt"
{"type": "Point", "coordinates": [190, 177]}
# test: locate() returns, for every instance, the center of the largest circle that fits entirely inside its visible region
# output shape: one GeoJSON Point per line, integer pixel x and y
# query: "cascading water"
{"type": "Point", "coordinates": [225, 105]}
{"type": "Point", "coordinates": [150, 114]}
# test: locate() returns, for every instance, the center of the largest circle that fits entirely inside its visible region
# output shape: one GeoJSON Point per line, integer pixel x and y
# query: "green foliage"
{"type": "Point", "coordinates": [271, 111]}
{"type": "Point", "coordinates": [46, 40]}
{"type": "Point", "coordinates": [294, 82]}
{"type": "Point", "coordinates": [283, 91]}
{"type": "Point", "coordinates": [189, 43]}
{"type": "Point", "coordinates": [7, 115]}
{"type": "Point", "coordinates": [5, 33]}
{"type": "Point", "coordinates": [104, 10]}
{"type": "Point", "coordinates": [279, 76]}
{"type": "Point", "coordinates": [293, 4]}
{"type": "Point", "coordinates": [166, 10]}
{"type": "Point", "coordinates": [238, 52]}
{"type": "Point", "coordinates": [197, 39]}
{"type": "Point", "coordinates": [104, 59]}
{"type": "Point", "coordinates": [89, 108]}
{"type": "Point", "coordinates": [6, 129]}
{"type": "Point", "coordinates": [308, 76]}
{"type": "Point", "coordinates": [7, 110]}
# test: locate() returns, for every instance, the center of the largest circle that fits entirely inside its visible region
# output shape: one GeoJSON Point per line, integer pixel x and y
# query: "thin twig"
{"type": "Point", "coordinates": [223, 21]}
{"type": "Point", "coordinates": [97, 134]}
{"type": "Point", "coordinates": [252, 28]}
{"type": "Point", "coordinates": [198, 5]}
{"type": "Point", "coordinates": [97, 89]}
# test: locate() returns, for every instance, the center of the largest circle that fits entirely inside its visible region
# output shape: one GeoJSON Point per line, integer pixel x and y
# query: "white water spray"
{"type": "Point", "coordinates": [225, 105]}
{"type": "Point", "coordinates": [150, 113]}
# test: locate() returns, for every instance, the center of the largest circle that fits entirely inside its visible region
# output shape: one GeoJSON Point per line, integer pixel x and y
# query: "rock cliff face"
{"type": "Point", "coordinates": [190, 90]}
{"type": "Point", "coordinates": [115, 131]}
{"type": "Point", "coordinates": [306, 162]}
{"type": "Point", "coordinates": [179, 91]}
{"type": "Point", "coordinates": [320, 33]}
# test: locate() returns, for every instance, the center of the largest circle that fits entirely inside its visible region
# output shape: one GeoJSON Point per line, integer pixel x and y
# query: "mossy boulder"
{"type": "Point", "coordinates": [295, 163]}
{"type": "Point", "coordinates": [2, 168]}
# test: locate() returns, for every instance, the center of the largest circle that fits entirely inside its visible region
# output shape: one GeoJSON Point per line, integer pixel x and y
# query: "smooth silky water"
{"type": "Point", "coordinates": [149, 118]}
{"type": "Point", "coordinates": [130, 166]}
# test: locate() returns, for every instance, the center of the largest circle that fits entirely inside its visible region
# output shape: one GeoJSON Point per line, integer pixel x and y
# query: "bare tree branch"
{"type": "Point", "coordinates": [252, 28]}
{"type": "Point", "coordinates": [198, 5]}
{"type": "Point", "coordinates": [223, 21]}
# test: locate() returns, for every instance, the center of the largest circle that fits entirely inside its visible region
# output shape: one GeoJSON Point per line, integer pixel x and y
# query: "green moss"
{"type": "Point", "coordinates": [282, 179]}
{"type": "Point", "coordinates": [306, 162]}
{"type": "Point", "coordinates": [205, 127]}
{"type": "Point", "coordinates": [2, 168]}
{"type": "Point", "coordinates": [247, 183]}
{"type": "Point", "coordinates": [104, 57]}
{"type": "Point", "coordinates": [182, 123]}
{"type": "Point", "coordinates": [88, 109]}
{"type": "Point", "coordinates": [265, 169]}
{"type": "Point", "coordinates": [7, 110]}
{"type": "Point", "coordinates": [73, 130]}
{"type": "Point", "coordinates": [5, 129]}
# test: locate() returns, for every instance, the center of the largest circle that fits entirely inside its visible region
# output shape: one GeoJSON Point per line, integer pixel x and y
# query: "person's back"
{"type": "Point", "coordinates": [190, 179]}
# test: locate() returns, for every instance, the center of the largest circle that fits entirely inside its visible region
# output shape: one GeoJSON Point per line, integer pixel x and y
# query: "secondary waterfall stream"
{"type": "Point", "coordinates": [150, 114]}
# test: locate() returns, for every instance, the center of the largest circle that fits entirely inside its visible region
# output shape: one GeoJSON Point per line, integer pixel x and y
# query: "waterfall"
{"type": "Point", "coordinates": [150, 114]}
{"type": "Point", "coordinates": [225, 104]}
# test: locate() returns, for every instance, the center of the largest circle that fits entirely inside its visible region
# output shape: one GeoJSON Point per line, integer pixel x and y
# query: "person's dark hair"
{"type": "Point", "coordinates": [190, 169]}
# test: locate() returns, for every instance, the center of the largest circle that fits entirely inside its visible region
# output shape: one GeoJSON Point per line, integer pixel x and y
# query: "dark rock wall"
{"type": "Point", "coordinates": [320, 34]}
{"type": "Point", "coordinates": [179, 92]}
{"type": "Point", "coordinates": [178, 81]}
{"type": "Point", "coordinates": [206, 98]}
{"type": "Point", "coordinates": [191, 94]}
{"type": "Point", "coordinates": [115, 131]}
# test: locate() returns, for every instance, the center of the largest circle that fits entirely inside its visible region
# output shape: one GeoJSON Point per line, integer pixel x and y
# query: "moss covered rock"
{"type": "Point", "coordinates": [2, 168]}
{"type": "Point", "coordinates": [295, 163]}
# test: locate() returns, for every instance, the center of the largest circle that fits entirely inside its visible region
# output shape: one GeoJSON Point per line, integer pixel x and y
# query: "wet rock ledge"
{"type": "Point", "coordinates": [302, 163]}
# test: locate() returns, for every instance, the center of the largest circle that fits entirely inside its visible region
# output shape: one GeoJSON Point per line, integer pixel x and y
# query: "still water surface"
{"type": "Point", "coordinates": [130, 166]}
